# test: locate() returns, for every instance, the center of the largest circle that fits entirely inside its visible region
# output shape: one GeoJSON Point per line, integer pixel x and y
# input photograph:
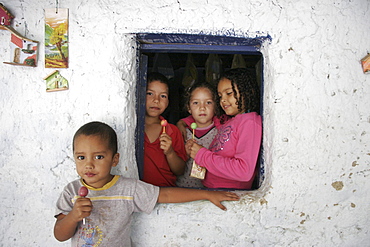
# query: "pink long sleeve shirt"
{"type": "Point", "coordinates": [232, 156]}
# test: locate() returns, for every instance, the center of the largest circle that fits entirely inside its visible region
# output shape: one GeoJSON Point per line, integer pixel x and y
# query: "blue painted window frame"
{"type": "Point", "coordinates": [185, 43]}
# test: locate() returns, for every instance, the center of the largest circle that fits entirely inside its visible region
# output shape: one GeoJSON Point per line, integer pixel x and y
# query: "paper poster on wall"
{"type": "Point", "coordinates": [56, 38]}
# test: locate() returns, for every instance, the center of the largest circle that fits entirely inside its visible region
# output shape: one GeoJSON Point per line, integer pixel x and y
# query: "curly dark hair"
{"type": "Point", "coordinates": [189, 91]}
{"type": "Point", "coordinates": [246, 83]}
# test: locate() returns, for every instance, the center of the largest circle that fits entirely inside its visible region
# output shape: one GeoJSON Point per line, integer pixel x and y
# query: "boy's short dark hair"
{"type": "Point", "coordinates": [155, 76]}
{"type": "Point", "coordinates": [100, 129]}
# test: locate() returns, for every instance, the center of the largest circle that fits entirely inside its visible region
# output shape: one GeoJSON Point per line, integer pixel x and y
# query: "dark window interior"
{"type": "Point", "coordinates": [173, 65]}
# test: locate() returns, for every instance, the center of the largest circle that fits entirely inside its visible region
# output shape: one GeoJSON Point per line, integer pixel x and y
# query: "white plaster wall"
{"type": "Point", "coordinates": [316, 120]}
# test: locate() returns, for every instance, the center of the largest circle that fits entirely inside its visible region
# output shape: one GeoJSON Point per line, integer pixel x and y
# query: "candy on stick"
{"type": "Point", "coordinates": [164, 124]}
{"type": "Point", "coordinates": [196, 170]}
{"type": "Point", "coordinates": [193, 126]}
{"type": "Point", "coordinates": [83, 191]}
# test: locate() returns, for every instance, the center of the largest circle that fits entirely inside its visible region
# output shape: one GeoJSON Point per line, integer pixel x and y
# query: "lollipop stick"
{"type": "Point", "coordinates": [83, 191]}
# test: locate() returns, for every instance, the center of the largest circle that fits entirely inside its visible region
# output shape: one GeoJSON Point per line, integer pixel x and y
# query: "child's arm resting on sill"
{"type": "Point", "coordinates": [175, 195]}
{"type": "Point", "coordinates": [65, 226]}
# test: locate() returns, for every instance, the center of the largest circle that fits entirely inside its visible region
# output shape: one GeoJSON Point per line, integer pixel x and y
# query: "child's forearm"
{"type": "Point", "coordinates": [181, 125]}
{"type": "Point", "coordinates": [176, 164]}
{"type": "Point", "coordinates": [177, 195]}
{"type": "Point", "coordinates": [64, 228]}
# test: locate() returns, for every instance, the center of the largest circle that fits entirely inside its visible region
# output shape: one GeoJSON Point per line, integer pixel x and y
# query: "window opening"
{"type": "Point", "coordinates": [168, 54]}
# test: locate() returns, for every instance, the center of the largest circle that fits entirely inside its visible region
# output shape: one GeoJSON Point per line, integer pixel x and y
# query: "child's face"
{"type": "Point", "coordinates": [202, 106]}
{"type": "Point", "coordinates": [227, 97]}
{"type": "Point", "coordinates": [156, 98]}
{"type": "Point", "coordinates": [94, 160]}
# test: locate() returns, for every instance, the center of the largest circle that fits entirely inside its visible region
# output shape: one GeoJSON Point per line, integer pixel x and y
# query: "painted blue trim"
{"type": "Point", "coordinates": [190, 48]}
{"type": "Point", "coordinates": [184, 39]}
{"type": "Point", "coordinates": [142, 64]}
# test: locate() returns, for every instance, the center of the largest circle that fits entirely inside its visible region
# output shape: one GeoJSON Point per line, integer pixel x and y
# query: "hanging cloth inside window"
{"type": "Point", "coordinates": [190, 74]}
{"type": "Point", "coordinates": [238, 62]}
{"type": "Point", "coordinates": [162, 64]}
{"type": "Point", "coordinates": [213, 68]}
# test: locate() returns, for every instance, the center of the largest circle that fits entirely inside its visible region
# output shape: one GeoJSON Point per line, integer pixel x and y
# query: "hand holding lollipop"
{"type": "Point", "coordinates": [164, 124]}
{"type": "Point", "coordinates": [196, 170]}
{"type": "Point", "coordinates": [83, 191]}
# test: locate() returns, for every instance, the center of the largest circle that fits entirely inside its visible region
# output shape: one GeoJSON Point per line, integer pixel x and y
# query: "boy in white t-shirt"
{"type": "Point", "coordinates": [107, 209]}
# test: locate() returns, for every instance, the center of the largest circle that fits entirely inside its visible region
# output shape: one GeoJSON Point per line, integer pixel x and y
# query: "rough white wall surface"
{"type": "Point", "coordinates": [316, 120]}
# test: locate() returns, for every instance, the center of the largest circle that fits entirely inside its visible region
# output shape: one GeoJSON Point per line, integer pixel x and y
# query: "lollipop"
{"type": "Point", "coordinates": [164, 124]}
{"type": "Point", "coordinates": [193, 126]}
{"type": "Point", "coordinates": [83, 191]}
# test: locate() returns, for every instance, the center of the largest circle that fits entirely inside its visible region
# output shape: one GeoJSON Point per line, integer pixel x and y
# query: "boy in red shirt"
{"type": "Point", "coordinates": [164, 151]}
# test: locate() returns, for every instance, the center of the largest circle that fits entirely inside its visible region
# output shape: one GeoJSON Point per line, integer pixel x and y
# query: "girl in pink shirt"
{"type": "Point", "coordinates": [232, 156]}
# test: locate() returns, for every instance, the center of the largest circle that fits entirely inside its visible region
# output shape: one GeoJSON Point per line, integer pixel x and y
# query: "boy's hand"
{"type": "Point", "coordinates": [81, 209]}
{"type": "Point", "coordinates": [216, 197]}
{"type": "Point", "coordinates": [194, 149]}
{"type": "Point", "coordinates": [166, 143]}
{"type": "Point", "coordinates": [65, 226]}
